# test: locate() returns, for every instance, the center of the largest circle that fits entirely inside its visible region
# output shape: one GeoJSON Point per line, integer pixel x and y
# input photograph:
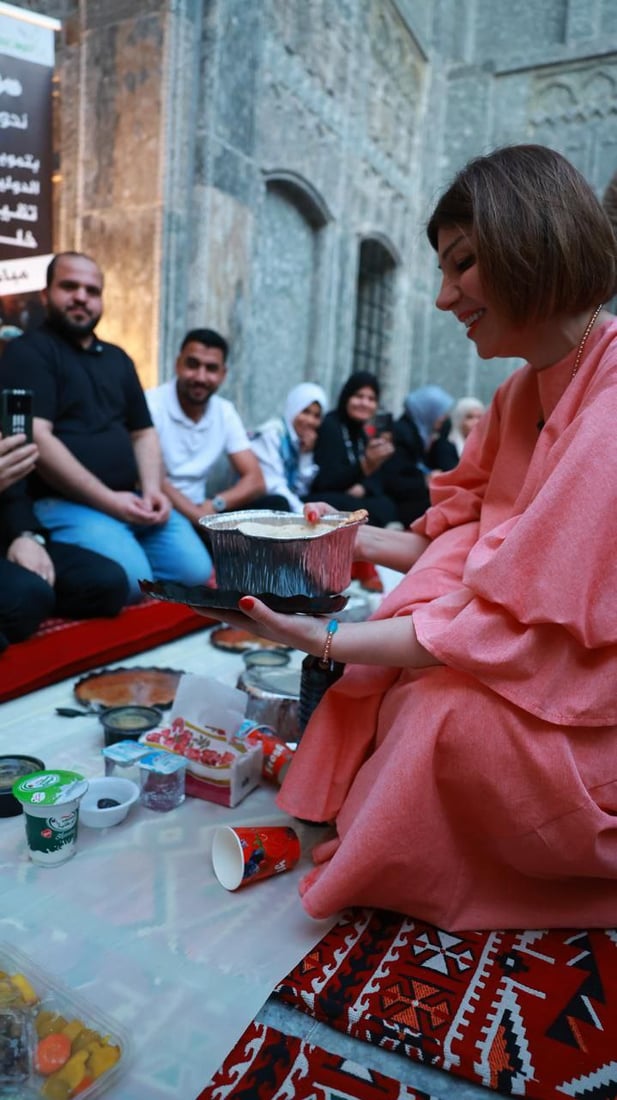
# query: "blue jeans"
{"type": "Point", "coordinates": [171, 551]}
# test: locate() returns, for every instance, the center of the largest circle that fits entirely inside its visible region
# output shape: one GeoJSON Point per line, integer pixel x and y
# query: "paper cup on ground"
{"type": "Point", "coordinates": [50, 800]}
{"type": "Point", "coordinates": [243, 854]}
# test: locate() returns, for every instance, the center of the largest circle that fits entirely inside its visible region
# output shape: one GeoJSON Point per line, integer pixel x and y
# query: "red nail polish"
{"type": "Point", "coordinates": [247, 603]}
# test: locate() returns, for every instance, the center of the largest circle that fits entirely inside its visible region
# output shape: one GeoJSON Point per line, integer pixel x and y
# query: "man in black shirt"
{"type": "Point", "coordinates": [98, 478]}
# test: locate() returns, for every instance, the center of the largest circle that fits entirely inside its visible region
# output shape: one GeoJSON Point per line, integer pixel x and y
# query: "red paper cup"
{"type": "Point", "coordinates": [243, 854]}
{"type": "Point", "coordinates": [276, 752]}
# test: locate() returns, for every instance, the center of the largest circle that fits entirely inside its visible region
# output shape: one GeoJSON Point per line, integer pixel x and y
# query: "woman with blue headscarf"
{"type": "Point", "coordinates": [425, 410]}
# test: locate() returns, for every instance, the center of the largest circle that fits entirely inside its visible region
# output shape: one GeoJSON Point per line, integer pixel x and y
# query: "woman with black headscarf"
{"type": "Point", "coordinates": [349, 460]}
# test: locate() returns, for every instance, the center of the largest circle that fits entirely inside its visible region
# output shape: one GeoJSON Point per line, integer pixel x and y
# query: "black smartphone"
{"type": "Point", "coordinates": [16, 413]}
{"type": "Point", "coordinates": [384, 422]}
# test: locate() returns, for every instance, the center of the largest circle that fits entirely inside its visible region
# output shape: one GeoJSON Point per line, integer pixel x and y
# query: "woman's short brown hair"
{"type": "Point", "coordinates": [544, 243]}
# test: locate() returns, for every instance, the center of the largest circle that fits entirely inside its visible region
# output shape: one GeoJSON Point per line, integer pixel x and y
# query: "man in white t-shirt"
{"type": "Point", "coordinates": [196, 428]}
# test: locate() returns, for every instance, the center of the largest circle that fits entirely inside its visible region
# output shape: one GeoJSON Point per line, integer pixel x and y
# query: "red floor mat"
{"type": "Point", "coordinates": [265, 1063]}
{"type": "Point", "coordinates": [62, 648]}
{"type": "Point", "coordinates": [525, 1013]}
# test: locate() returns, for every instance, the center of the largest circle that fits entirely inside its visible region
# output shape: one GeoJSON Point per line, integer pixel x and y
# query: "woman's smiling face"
{"type": "Point", "coordinates": [308, 419]}
{"type": "Point", "coordinates": [461, 292]}
{"type": "Point", "coordinates": [362, 405]}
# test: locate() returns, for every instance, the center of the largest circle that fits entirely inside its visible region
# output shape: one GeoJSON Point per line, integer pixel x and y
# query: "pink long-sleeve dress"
{"type": "Point", "coordinates": [482, 793]}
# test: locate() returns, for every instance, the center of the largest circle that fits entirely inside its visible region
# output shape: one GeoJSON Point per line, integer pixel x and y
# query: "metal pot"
{"type": "Point", "coordinates": [273, 699]}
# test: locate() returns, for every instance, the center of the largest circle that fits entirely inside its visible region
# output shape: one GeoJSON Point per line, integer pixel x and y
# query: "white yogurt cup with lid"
{"type": "Point", "coordinates": [50, 801]}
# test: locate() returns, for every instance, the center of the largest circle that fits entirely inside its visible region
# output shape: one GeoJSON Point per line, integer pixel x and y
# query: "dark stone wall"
{"type": "Point", "coordinates": [184, 130]}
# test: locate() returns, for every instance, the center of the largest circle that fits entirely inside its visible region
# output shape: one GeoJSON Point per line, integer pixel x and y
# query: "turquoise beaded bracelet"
{"type": "Point", "coordinates": [324, 660]}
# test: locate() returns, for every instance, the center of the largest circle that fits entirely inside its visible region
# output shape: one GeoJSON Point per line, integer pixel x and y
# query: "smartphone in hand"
{"type": "Point", "coordinates": [16, 413]}
{"type": "Point", "coordinates": [384, 423]}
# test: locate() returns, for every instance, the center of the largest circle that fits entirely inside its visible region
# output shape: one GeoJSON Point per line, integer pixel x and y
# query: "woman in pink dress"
{"type": "Point", "coordinates": [468, 755]}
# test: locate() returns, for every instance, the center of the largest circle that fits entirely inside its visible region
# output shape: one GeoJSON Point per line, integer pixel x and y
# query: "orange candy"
{"type": "Point", "coordinates": [52, 1052]}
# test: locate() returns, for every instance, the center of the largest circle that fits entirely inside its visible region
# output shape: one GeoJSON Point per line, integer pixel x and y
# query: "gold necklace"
{"type": "Point", "coordinates": [581, 346]}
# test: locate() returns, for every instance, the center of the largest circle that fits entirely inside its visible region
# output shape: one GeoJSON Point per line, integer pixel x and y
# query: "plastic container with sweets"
{"type": "Point", "coordinates": [122, 759]}
{"type": "Point", "coordinates": [53, 1043]}
{"type": "Point", "coordinates": [163, 781]}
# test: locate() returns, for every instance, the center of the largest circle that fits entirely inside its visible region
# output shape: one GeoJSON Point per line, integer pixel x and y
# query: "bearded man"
{"type": "Point", "coordinates": [209, 464]}
{"type": "Point", "coordinates": [98, 479]}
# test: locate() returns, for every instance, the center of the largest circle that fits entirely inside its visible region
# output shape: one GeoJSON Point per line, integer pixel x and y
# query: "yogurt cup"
{"type": "Point", "coordinates": [50, 801]}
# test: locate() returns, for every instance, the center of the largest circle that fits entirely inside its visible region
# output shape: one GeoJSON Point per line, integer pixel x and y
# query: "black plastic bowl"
{"type": "Point", "coordinates": [12, 767]}
{"type": "Point", "coordinates": [129, 722]}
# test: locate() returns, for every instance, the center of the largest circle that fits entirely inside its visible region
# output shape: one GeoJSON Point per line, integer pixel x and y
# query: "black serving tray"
{"type": "Point", "coordinates": [202, 598]}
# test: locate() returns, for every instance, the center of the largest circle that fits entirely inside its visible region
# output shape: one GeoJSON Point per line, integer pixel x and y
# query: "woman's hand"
{"type": "Point", "coordinates": [397, 550]}
{"type": "Point", "coordinates": [315, 509]}
{"type": "Point", "coordinates": [388, 642]}
{"type": "Point", "coordinates": [17, 459]}
{"type": "Point", "coordinates": [303, 632]}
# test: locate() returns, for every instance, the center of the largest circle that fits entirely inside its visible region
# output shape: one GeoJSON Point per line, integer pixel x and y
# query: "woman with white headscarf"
{"type": "Point", "coordinates": [446, 451]}
{"type": "Point", "coordinates": [464, 417]}
{"type": "Point", "coordinates": [284, 445]}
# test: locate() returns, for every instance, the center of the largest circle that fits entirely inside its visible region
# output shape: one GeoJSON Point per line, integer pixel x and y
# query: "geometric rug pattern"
{"type": "Point", "coordinates": [527, 1013]}
{"type": "Point", "coordinates": [267, 1065]}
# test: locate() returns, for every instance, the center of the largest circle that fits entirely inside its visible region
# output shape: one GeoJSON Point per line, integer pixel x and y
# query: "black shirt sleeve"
{"type": "Point", "coordinates": [16, 514]}
{"type": "Point", "coordinates": [92, 396]}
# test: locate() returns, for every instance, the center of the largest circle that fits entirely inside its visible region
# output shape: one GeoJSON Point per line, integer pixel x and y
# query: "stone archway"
{"type": "Point", "coordinates": [286, 293]}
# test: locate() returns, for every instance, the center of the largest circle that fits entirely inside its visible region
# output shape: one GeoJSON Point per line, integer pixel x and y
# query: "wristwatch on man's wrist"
{"type": "Point", "coordinates": [219, 503]}
{"type": "Point", "coordinates": [35, 535]}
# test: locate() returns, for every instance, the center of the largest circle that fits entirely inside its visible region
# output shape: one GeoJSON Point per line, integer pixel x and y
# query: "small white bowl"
{"type": "Point", "coordinates": [124, 791]}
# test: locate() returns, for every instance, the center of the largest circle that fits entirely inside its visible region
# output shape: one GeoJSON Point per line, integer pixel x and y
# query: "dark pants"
{"type": "Point", "coordinates": [270, 501]}
{"type": "Point", "coordinates": [88, 586]}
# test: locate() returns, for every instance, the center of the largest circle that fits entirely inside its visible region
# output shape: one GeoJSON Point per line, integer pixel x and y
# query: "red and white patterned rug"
{"type": "Point", "coordinates": [265, 1063]}
{"type": "Point", "coordinates": [525, 1013]}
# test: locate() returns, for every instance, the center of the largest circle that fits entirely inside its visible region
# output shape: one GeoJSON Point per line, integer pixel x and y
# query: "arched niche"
{"type": "Point", "coordinates": [290, 292]}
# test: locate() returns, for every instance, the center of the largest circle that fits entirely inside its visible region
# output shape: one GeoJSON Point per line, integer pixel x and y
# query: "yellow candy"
{"type": "Point", "coordinates": [23, 986]}
{"type": "Point", "coordinates": [74, 1070]}
{"type": "Point", "coordinates": [83, 1040]}
{"type": "Point", "coordinates": [73, 1029]}
{"type": "Point", "coordinates": [48, 1022]}
{"type": "Point", "coordinates": [55, 1089]}
{"type": "Point", "coordinates": [102, 1057]}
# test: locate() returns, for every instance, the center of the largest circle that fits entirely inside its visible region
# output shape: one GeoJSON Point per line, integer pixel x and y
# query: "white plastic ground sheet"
{"type": "Point", "coordinates": [136, 921]}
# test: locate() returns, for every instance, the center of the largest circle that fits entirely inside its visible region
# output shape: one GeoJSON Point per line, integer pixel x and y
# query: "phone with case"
{"type": "Point", "coordinates": [16, 413]}
{"type": "Point", "coordinates": [384, 423]}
